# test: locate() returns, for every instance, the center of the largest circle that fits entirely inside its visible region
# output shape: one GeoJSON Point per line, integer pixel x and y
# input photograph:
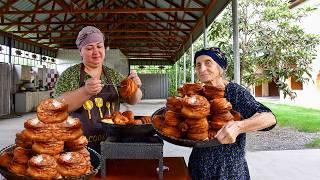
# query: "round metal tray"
{"type": "Point", "coordinates": [182, 142]}
{"type": "Point", "coordinates": [95, 159]}
{"type": "Point", "coordinates": [130, 130]}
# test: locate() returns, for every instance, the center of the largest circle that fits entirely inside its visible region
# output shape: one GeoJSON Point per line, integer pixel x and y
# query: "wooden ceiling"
{"type": "Point", "coordinates": [141, 29]}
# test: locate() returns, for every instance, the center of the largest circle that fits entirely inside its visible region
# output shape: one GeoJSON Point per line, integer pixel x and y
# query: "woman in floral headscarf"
{"type": "Point", "coordinates": [227, 161]}
{"type": "Point", "coordinates": [89, 88]}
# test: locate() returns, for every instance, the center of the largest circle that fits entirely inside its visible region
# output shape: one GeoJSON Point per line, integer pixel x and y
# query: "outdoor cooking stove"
{"type": "Point", "coordinates": [132, 148]}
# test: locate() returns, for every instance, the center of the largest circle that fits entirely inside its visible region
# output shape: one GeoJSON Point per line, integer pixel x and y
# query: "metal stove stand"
{"type": "Point", "coordinates": [132, 148]}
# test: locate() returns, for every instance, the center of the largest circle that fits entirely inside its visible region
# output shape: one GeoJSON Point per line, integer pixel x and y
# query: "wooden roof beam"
{"type": "Point", "coordinates": [104, 30]}
{"type": "Point", "coordinates": [117, 37]}
{"type": "Point", "coordinates": [136, 21]}
{"type": "Point", "coordinates": [114, 11]}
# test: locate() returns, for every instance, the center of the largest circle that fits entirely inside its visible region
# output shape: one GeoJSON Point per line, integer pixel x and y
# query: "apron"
{"type": "Point", "coordinates": [92, 128]}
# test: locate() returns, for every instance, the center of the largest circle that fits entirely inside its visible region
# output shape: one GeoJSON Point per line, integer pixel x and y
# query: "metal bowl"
{"type": "Point", "coordinates": [130, 130]}
{"type": "Point", "coordinates": [182, 142]}
{"type": "Point", "coordinates": [95, 159]}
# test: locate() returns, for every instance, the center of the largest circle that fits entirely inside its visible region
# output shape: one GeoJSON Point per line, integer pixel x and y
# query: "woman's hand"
{"type": "Point", "coordinates": [229, 132]}
{"type": "Point", "coordinates": [93, 86]}
{"type": "Point", "coordinates": [134, 76]}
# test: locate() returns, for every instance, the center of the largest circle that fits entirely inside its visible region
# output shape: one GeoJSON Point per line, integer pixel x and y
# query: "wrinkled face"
{"type": "Point", "coordinates": [207, 69]}
{"type": "Point", "coordinates": [93, 54]}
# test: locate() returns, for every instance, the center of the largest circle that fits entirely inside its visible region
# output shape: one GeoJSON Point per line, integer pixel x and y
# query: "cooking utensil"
{"type": "Point", "coordinates": [108, 107]}
{"type": "Point", "coordinates": [88, 105]}
{"type": "Point", "coordinates": [99, 103]}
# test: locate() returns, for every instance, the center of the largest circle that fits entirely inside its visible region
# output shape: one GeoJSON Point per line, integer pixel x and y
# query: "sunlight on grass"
{"type": "Point", "coordinates": [300, 118]}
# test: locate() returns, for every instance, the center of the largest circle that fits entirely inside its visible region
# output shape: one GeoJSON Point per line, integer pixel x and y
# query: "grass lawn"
{"type": "Point", "coordinates": [300, 118]}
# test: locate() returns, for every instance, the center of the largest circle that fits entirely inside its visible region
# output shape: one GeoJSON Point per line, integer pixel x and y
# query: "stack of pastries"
{"type": "Point", "coordinates": [196, 114]}
{"type": "Point", "coordinates": [51, 145]}
{"type": "Point", "coordinates": [125, 118]}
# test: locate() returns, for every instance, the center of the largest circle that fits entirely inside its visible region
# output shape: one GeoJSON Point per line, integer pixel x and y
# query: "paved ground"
{"type": "Point", "coordinates": [263, 165]}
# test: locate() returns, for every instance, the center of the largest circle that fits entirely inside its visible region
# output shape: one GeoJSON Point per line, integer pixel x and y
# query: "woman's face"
{"type": "Point", "coordinates": [93, 54]}
{"type": "Point", "coordinates": [207, 69]}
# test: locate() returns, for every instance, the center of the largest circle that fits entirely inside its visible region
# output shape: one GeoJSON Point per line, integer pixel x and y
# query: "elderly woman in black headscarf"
{"type": "Point", "coordinates": [227, 161]}
{"type": "Point", "coordinates": [90, 88]}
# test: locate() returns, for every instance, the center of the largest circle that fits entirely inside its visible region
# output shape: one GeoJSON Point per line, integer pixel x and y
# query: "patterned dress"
{"type": "Point", "coordinates": [70, 78]}
{"type": "Point", "coordinates": [227, 162]}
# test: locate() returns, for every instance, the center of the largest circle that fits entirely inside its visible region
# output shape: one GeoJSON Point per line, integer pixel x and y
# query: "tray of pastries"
{"type": "Point", "coordinates": [11, 169]}
{"type": "Point", "coordinates": [194, 117]}
{"type": "Point", "coordinates": [126, 124]}
{"type": "Point", "coordinates": [51, 146]}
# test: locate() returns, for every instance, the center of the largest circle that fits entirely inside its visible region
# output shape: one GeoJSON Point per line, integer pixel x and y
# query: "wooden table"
{"type": "Point", "coordinates": [145, 169]}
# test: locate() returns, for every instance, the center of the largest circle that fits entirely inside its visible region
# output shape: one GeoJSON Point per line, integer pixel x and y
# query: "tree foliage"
{"type": "Point", "coordinates": [273, 45]}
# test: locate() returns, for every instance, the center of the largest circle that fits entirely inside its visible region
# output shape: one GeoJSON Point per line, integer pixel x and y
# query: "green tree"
{"type": "Point", "coordinates": [273, 45]}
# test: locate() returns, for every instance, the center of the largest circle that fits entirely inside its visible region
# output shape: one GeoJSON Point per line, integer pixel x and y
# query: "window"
{"type": "Point", "coordinates": [296, 84]}
{"type": "Point", "coordinates": [4, 53]}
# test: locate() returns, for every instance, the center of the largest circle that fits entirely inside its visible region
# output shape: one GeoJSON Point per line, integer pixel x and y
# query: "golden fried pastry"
{"type": "Point", "coordinates": [72, 164]}
{"type": "Point", "coordinates": [183, 126]}
{"type": "Point", "coordinates": [137, 122]}
{"type": "Point", "coordinates": [171, 118]}
{"type": "Point", "coordinates": [120, 120]}
{"type": "Point", "coordinates": [198, 136]}
{"type": "Point", "coordinates": [189, 89]}
{"type": "Point", "coordinates": [236, 115]}
{"type": "Point", "coordinates": [77, 144]}
{"type": "Point", "coordinates": [43, 166]}
{"type": "Point", "coordinates": [216, 125]}
{"type": "Point", "coordinates": [128, 114]}
{"type": "Point", "coordinates": [128, 88]}
{"type": "Point", "coordinates": [174, 103]}
{"type": "Point", "coordinates": [220, 105]}
{"type": "Point", "coordinates": [22, 140]}
{"type": "Point", "coordinates": [51, 147]}
{"type": "Point", "coordinates": [68, 130]}
{"type": "Point", "coordinates": [115, 113]}
{"type": "Point", "coordinates": [5, 159]}
{"type": "Point", "coordinates": [22, 155]}
{"type": "Point", "coordinates": [195, 107]}
{"type": "Point", "coordinates": [17, 168]}
{"type": "Point", "coordinates": [37, 130]}
{"type": "Point", "coordinates": [158, 122]}
{"type": "Point", "coordinates": [172, 131]}
{"type": "Point", "coordinates": [181, 91]}
{"type": "Point", "coordinates": [146, 119]}
{"type": "Point", "coordinates": [212, 92]}
{"type": "Point", "coordinates": [212, 133]}
{"type": "Point", "coordinates": [52, 111]}
{"type": "Point", "coordinates": [225, 117]}
{"type": "Point", "coordinates": [85, 153]}
{"type": "Point", "coordinates": [131, 121]}
{"type": "Point", "coordinates": [197, 125]}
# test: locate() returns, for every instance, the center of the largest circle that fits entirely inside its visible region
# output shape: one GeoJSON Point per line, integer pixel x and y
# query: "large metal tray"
{"type": "Point", "coordinates": [94, 157]}
{"type": "Point", "coordinates": [182, 142]}
{"type": "Point", "coordinates": [130, 130]}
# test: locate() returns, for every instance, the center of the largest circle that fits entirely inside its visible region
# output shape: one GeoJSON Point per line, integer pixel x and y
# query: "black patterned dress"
{"type": "Point", "coordinates": [227, 162]}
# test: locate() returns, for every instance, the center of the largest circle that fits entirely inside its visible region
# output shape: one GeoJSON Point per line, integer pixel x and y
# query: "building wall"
{"type": "Point", "coordinates": [154, 86]}
{"type": "Point", "coordinates": [310, 94]}
{"type": "Point", "coordinates": [117, 60]}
